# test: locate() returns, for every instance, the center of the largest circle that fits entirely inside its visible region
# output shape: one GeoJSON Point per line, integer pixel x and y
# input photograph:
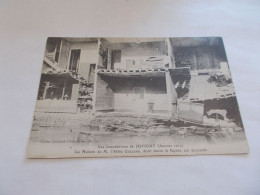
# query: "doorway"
{"type": "Point", "coordinates": [91, 73]}
{"type": "Point", "coordinates": [74, 59]}
{"type": "Point", "coordinates": [116, 58]}
{"type": "Point", "coordinates": [138, 103]}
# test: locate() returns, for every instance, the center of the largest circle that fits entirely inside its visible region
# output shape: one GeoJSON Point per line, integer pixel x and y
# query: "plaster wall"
{"type": "Point", "coordinates": [88, 55]}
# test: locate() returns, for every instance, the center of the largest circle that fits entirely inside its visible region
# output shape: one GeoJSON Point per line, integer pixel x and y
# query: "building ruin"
{"type": "Point", "coordinates": [184, 78]}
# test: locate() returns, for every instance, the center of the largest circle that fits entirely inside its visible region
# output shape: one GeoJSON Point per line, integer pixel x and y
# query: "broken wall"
{"type": "Point", "coordinates": [201, 53]}
{"type": "Point", "coordinates": [197, 58]}
{"type": "Point", "coordinates": [229, 104]}
{"type": "Point", "coordinates": [191, 111]}
{"type": "Point", "coordinates": [57, 106]}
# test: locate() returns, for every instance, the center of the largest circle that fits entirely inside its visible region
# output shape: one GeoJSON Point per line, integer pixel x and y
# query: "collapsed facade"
{"type": "Point", "coordinates": [184, 78]}
{"type": "Point", "coordinates": [211, 84]}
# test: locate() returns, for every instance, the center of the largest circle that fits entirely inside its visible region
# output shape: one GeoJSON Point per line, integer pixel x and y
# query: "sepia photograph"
{"type": "Point", "coordinates": [130, 97]}
{"type": "Point", "coordinates": [108, 97]}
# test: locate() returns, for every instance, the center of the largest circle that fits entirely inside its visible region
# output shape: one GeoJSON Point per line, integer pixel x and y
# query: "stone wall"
{"type": "Point", "coordinates": [104, 95]}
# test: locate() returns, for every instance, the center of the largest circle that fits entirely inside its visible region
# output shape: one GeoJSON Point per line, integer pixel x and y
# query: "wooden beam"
{"type": "Point", "coordinates": [170, 54]}
{"type": "Point", "coordinates": [171, 94]}
{"type": "Point", "coordinates": [95, 78]}
{"type": "Point", "coordinates": [45, 90]}
{"type": "Point", "coordinates": [109, 59]}
{"type": "Point", "coordinates": [63, 90]}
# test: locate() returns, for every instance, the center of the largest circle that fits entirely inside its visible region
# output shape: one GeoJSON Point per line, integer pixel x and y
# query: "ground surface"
{"type": "Point", "coordinates": [85, 128]}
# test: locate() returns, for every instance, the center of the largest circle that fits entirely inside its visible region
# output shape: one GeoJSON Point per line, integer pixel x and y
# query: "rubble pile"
{"type": "Point", "coordinates": [89, 129]}
{"type": "Point", "coordinates": [85, 99]}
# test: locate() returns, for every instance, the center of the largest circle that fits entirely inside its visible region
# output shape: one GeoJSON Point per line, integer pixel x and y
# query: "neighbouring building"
{"type": "Point", "coordinates": [67, 78]}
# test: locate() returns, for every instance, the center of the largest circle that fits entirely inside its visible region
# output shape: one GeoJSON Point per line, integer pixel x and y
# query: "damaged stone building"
{"type": "Point", "coordinates": [184, 78]}
{"type": "Point", "coordinates": [138, 76]}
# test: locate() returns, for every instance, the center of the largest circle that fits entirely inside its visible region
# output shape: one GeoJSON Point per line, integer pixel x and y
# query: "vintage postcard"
{"type": "Point", "coordinates": [108, 97]}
